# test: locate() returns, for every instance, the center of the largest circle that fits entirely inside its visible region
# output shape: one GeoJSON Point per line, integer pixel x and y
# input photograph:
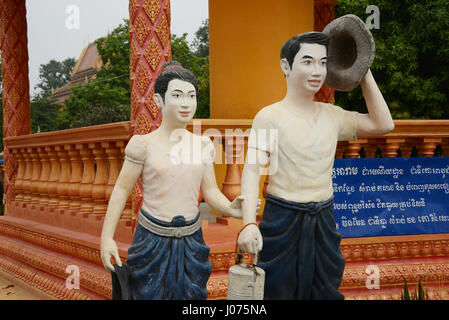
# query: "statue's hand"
{"type": "Point", "coordinates": [236, 206]}
{"type": "Point", "coordinates": [250, 239]}
{"type": "Point", "coordinates": [108, 250]}
{"type": "Point", "coordinates": [235, 209]}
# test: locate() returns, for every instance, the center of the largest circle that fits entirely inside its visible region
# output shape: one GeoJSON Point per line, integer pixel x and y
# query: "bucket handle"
{"type": "Point", "coordinates": [239, 253]}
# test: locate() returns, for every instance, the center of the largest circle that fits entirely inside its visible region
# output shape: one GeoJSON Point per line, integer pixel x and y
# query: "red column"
{"type": "Point", "coordinates": [150, 48]}
{"type": "Point", "coordinates": [15, 82]}
{"type": "Point", "coordinates": [324, 13]}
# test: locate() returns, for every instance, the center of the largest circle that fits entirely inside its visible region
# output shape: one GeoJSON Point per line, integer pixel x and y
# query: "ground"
{"type": "Point", "coordinates": [11, 291]}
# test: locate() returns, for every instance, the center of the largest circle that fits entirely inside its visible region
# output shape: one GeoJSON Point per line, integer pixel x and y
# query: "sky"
{"type": "Point", "coordinates": [60, 29]}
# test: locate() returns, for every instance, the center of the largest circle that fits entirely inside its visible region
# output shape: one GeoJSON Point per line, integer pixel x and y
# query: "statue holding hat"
{"type": "Point", "coordinates": [297, 237]}
{"type": "Point", "coordinates": [168, 258]}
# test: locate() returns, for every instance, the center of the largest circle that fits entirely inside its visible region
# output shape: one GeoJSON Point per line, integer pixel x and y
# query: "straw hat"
{"type": "Point", "coordinates": [350, 52]}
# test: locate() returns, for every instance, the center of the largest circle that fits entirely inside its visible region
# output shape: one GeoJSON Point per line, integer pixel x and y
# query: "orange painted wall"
{"type": "Point", "coordinates": [246, 37]}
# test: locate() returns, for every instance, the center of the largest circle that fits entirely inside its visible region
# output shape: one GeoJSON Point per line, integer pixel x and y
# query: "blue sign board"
{"type": "Point", "coordinates": [391, 196]}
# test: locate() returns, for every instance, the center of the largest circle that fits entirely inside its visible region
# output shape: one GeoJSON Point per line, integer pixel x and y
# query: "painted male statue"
{"type": "Point", "coordinates": [300, 247]}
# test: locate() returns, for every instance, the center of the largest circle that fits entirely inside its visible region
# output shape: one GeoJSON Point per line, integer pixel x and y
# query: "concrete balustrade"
{"type": "Point", "coordinates": [72, 172]}
{"type": "Point", "coordinates": [65, 178]}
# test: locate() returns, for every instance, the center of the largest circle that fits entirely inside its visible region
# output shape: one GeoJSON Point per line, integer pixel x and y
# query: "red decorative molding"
{"type": "Point", "coordinates": [25, 262]}
{"type": "Point", "coordinates": [411, 246]}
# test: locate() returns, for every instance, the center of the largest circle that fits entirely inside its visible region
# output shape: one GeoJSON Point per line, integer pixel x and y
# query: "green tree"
{"type": "Point", "coordinates": [114, 52]}
{"type": "Point", "coordinates": [43, 114]}
{"type": "Point", "coordinates": [94, 103]}
{"type": "Point", "coordinates": [201, 49]}
{"type": "Point", "coordinates": [44, 111]}
{"type": "Point", "coordinates": [410, 66]}
{"type": "Point", "coordinates": [196, 59]}
{"type": "Point", "coordinates": [54, 74]}
{"type": "Point", "coordinates": [201, 42]}
{"type": "Point", "coordinates": [181, 52]}
{"type": "Point", "coordinates": [106, 98]}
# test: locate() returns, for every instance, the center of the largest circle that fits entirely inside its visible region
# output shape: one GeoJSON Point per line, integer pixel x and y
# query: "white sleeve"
{"type": "Point", "coordinates": [136, 150]}
{"type": "Point", "coordinates": [347, 124]}
{"type": "Point", "coordinates": [261, 136]}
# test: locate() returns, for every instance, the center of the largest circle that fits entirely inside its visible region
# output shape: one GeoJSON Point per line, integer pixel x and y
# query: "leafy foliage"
{"type": "Point", "coordinates": [201, 41]}
{"type": "Point", "coordinates": [106, 98]}
{"type": "Point", "coordinates": [94, 103]}
{"type": "Point", "coordinates": [410, 66]}
{"type": "Point", "coordinates": [421, 294]}
{"type": "Point", "coordinates": [197, 61]}
{"type": "Point", "coordinates": [43, 114]}
{"type": "Point", "coordinates": [44, 111]}
{"type": "Point", "coordinates": [54, 74]}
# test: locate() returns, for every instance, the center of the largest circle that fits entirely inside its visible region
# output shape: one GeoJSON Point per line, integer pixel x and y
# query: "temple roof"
{"type": "Point", "coordinates": [85, 69]}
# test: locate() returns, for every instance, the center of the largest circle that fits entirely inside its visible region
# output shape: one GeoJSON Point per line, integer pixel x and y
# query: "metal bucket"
{"type": "Point", "coordinates": [245, 282]}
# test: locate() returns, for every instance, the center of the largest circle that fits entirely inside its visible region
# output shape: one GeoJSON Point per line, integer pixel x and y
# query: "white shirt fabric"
{"type": "Point", "coordinates": [171, 181]}
{"type": "Point", "coordinates": [304, 150]}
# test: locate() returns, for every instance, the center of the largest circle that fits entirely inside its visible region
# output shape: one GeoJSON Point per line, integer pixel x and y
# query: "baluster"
{"type": "Point", "coordinates": [18, 183]}
{"type": "Point", "coordinates": [35, 179]}
{"type": "Point", "coordinates": [390, 147]}
{"type": "Point", "coordinates": [265, 185]}
{"type": "Point", "coordinates": [62, 189]}
{"type": "Point", "coordinates": [85, 190]}
{"type": "Point", "coordinates": [233, 153]}
{"type": "Point", "coordinates": [352, 148]}
{"type": "Point", "coordinates": [44, 178]}
{"type": "Point", "coordinates": [77, 172]}
{"type": "Point", "coordinates": [371, 148]}
{"type": "Point", "coordinates": [445, 147]}
{"type": "Point", "coordinates": [26, 184]}
{"type": "Point", "coordinates": [52, 185]}
{"type": "Point", "coordinates": [340, 149]}
{"type": "Point", "coordinates": [114, 157]}
{"type": "Point", "coordinates": [101, 178]}
{"type": "Point", "coordinates": [426, 146]}
{"type": "Point", "coordinates": [406, 148]}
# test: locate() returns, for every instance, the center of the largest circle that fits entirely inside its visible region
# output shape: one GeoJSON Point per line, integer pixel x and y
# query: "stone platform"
{"type": "Point", "coordinates": [39, 254]}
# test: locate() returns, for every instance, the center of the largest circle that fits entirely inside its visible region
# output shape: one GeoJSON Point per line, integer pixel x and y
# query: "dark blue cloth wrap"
{"type": "Point", "coordinates": [301, 250]}
{"type": "Point", "coordinates": [168, 268]}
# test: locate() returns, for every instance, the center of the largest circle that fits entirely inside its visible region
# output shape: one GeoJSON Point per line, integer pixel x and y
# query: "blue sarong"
{"type": "Point", "coordinates": [301, 250]}
{"type": "Point", "coordinates": [168, 268]}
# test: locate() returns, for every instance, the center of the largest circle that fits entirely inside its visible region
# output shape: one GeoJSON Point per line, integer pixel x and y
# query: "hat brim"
{"type": "Point", "coordinates": [351, 51]}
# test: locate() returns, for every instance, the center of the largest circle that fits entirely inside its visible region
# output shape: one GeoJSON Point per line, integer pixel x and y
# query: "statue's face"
{"type": "Point", "coordinates": [308, 71]}
{"type": "Point", "coordinates": [180, 101]}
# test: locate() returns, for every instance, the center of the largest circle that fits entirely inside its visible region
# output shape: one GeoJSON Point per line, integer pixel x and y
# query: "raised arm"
{"type": "Point", "coordinates": [378, 120]}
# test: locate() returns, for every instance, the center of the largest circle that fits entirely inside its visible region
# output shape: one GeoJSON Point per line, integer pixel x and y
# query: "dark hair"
{"type": "Point", "coordinates": [292, 46]}
{"type": "Point", "coordinates": [170, 71]}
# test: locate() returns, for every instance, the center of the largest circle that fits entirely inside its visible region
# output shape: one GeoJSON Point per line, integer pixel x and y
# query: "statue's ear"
{"type": "Point", "coordinates": [158, 100]}
{"type": "Point", "coordinates": [285, 66]}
